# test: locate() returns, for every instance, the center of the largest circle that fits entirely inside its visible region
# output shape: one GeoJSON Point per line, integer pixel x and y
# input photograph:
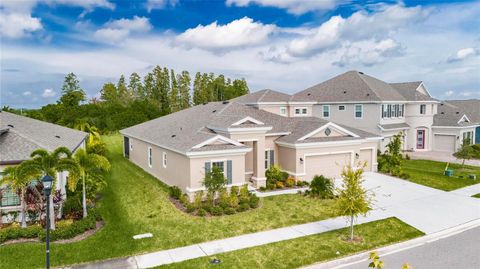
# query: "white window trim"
{"type": "Point", "coordinates": [164, 159]}
{"type": "Point", "coordinates": [424, 111]}
{"type": "Point", "coordinates": [149, 157]}
{"type": "Point", "coordinates": [224, 161]}
{"type": "Point", "coordinates": [344, 108]}
{"type": "Point", "coordinates": [283, 108]}
{"type": "Point", "coordinates": [355, 111]}
{"type": "Point", "coordinates": [323, 116]}
{"type": "Point", "coordinates": [300, 109]}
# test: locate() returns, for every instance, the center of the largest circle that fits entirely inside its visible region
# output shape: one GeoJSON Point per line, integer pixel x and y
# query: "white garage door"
{"type": "Point", "coordinates": [327, 165]}
{"type": "Point", "coordinates": [444, 143]}
{"type": "Point", "coordinates": [366, 156]}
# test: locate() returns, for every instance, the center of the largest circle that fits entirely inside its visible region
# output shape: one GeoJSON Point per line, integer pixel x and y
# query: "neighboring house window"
{"type": "Point", "coordinates": [392, 110]}
{"type": "Point", "coordinates": [341, 107]}
{"type": "Point", "coordinates": [468, 136]}
{"type": "Point", "coordinates": [283, 111]}
{"type": "Point", "coordinates": [384, 111]}
{"type": "Point", "coordinates": [9, 198]}
{"type": "Point", "coordinates": [400, 110]}
{"type": "Point", "coordinates": [269, 158]}
{"type": "Point", "coordinates": [150, 156]}
{"type": "Point", "coordinates": [301, 111]}
{"type": "Point", "coordinates": [326, 111]}
{"type": "Point", "coordinates": [164, 160]}
{"type": "Point", "coordinates": [358, 111]}
{"type": "Point", "coordinates": [423, 109]}
{"type": "Point", "coordinates": [220, 165]}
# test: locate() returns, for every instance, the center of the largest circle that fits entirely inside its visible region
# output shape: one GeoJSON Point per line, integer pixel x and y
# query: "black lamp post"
{"type": "Point", "coordinates": [47, 189]}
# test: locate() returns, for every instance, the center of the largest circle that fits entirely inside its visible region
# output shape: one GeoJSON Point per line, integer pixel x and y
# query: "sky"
{"type": "Point", "coordinates": [285, 45]}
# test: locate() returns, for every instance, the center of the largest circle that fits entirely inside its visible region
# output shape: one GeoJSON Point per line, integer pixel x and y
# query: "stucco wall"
{"type": "Point", "coordinates": [177, 171]}
{"type": "Point", "coordinates": [369, 121]}
{"type": "Point", "coordinates": [457, 132]}
{"type": "Point", "coordinates": [197, 169]}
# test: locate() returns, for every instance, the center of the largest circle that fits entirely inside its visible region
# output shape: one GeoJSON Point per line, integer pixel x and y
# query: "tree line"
{"type": "Point", "coordinates": [126, 103]}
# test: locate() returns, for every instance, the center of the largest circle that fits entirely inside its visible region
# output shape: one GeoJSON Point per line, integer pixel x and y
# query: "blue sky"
{"type": "Point", "coordinates": [284, 45]}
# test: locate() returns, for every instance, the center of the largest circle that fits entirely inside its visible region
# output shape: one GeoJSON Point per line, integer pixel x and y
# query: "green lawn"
{"type": "Point", "coordinates": [430, 173]}
{"type": "Point", "coordinates": [476, 195]}
{"type": "Point", "coordinates": [310, 249]}
{"type": "Point", "coordinates": [134, 202]}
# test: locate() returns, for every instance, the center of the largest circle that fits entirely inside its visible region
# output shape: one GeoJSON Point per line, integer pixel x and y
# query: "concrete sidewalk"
{"type": "Point", "coordinates": [230, 244]}
{"type": "Point", "coordinates": [468, 191]}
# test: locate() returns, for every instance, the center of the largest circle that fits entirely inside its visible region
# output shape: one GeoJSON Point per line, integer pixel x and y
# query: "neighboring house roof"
{"type": "Point", "coordinates": [454, 113]}
{"type": "Point", "coordinates": [183, 131]}
{"type": "Point", "coordinates": [262, 96]}
{"type": "Point", "coordinates": [393, 126]}
{"type": "Point", "coordinates": [348, 87]}
{"type": "Point", "coordinates": [21, 135]}
{"type": "Point", "coordinates": [409, 90]}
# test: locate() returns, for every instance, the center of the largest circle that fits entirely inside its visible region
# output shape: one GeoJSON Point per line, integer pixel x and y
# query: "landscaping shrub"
{"type": "Point", "coordinates": [184, 200]}
{"type": "Point", "coordinates": [190, 208]}
{"type": "Point", "coordinates": [175, 192]}
{"type": "Point", "coordinates": [207, 207]}
{"type": "Point", "coordinates": [271, 186]}
{"type": "Point", "coordinates": [234, 190]}
{"type": "Point", "coordinates": [216, 211]}
{"type": "Point", "coordinates": [321, 187]}
{"type": "Point", "coordinates": [279, 185]}
{"type": "Point", "coordinates": [201, 212]}
{"type": "Point", "coordinates": [254, 201]}
{"type": "Point", "coordinates": [407, 157]}
{"type": "Point", "coordinates": [198, 199]}
{"type": "Point", "coordinates": [233, 200]}
{"type": "Point", "coordinates": [243, 207]}
{"type": "Point", "coordinates": [290, 182]}
{"type": "Point", "coordinates": [301, 183]}
{"type": "Point", "coordinates": [273, 174]}
{"type": "Point", "coordinates": [263, 188]}
{"type": "Point", "coordinates": [244, 192]}
{"type": "Point", "coordinates": [72, 208]}
{"type": "Point", "coordinates": [224, 199]}
{"type": "Point", "coordinates": [229, 211]}
{"type": "Point", "coordinates": [15, 232]}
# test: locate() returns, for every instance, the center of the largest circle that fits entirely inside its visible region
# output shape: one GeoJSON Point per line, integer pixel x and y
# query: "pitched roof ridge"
{"type": "Point", "coordinates": [366, 83]}
{"type": "Point", "coordinates": [263, 95]}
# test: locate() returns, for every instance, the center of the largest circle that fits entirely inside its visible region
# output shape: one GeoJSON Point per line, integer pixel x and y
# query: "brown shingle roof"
{"type": "Point", "coordinates": [265, 95]}
{"type": "Point", "coordinates": [409, 91]}
{"type": "Point", "coordinates": [451, 111]}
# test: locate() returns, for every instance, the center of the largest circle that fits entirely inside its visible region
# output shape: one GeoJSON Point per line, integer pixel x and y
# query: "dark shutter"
{"type": "Point", "coordinates": [126, 146]}
{"type": "Point", "coordinates": [207, 168]}
{"type": "Point", "coordinates": [229, 172]}
{"type": "Point", "coordinates": [272, 158]}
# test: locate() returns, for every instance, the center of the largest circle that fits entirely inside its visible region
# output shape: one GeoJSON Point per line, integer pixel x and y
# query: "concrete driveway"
{"type": "Point", "coordinates": [427, 209]}
{"type": "Point", "coordinates": [440, 156]}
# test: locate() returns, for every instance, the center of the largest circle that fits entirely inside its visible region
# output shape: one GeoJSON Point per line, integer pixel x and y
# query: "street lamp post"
{"type": "Point", "coordinates": [47, 189]}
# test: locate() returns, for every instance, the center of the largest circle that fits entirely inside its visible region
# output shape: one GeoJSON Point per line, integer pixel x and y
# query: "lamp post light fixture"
{"type": "Point", "coordinates": [47, 190]}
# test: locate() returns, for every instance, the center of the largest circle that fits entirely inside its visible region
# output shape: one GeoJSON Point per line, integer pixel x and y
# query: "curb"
{"type": "Point", "coordinates": [387, 250]}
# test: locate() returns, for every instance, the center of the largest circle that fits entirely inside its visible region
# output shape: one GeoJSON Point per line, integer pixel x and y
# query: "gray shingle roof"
{"type": "Point", "coordinates": [350, 86]}
{"type": "Point", "coordinates": [190, 126]}
{"type": "Point", "coordinates": [265, 95]}
{"type": "Point", "coordinates": [409, 91]}
{"type": "Point", "coordinates": [26, 134]}
{"type": "Point", "coordinates": [451, 111]}
{"type": "Point", "coordinates": [393, 126]}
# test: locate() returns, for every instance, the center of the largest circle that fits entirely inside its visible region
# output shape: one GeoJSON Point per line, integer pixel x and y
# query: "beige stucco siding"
{"type": "Point", "coordinates": [287, 159]}
{"type": "Point", "coordinates": [197, 169]}
{"type": "Point", "coordinates": [177, 171]}
{"type": "Point", "coordinates": [369, 122]}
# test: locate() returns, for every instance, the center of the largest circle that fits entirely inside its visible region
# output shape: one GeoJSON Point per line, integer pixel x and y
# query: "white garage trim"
{"type": "Point", "coordinates": [373, 164]}
{"type": "Point", "coordinates": [326, 153]}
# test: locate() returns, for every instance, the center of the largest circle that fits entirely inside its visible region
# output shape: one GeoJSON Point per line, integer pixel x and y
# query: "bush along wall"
{"type": "Point", "coordinates": [226, 203]}
{"type": "Point", "coordinates": [65, 229]}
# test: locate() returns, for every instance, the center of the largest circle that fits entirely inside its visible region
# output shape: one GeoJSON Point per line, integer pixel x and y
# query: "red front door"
{"type": "Point", "coordinates": [420, 139]}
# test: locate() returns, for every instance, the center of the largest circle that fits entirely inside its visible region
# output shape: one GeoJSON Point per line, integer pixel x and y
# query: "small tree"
{"type": "Point", "coordinates": [392, 159]}
{"type": "Point", "coordinates": [353, 199]}
{"type": "Point", "coordinates": [214, 181]}
{"type": "Point", "coordinates": [466, 152]}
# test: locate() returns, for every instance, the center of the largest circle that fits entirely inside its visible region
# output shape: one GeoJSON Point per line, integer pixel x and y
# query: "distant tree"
{"type": "Point", "coordinates": [122, 90]}
{"type": "Point", "coordinates": [174, 95]}
{"type": "Point", "coordinates": [109, 93]}
{"type": "Point", "coordinates": [197, 90]}
{"type": "Point", "coordinates": [135, 87]}
{"type": "Point", "coordinates": [214, 181]}
{"type": "Point", "coordinates": [353, 199]}
{"type": "Point", "coordinates": [148, 86]}
{"type": "Point", "coordinates": [184, 89]}
{"type": "Point", "coordinates": [466, 152]}
{"type": "Point", "coordinates": [72, 93]}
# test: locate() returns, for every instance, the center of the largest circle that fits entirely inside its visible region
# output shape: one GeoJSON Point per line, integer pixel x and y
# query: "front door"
{"type": "Point", "coordinates": [126, 146]}
{"type": "Point", "coordinates": [420, 139]}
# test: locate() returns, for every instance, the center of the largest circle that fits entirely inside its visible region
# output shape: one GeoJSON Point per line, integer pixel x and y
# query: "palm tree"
{"type": "Point", "coordinates": [18, 181]}
{"type": "Point", "coordinates": [91, 166]}
{"type": "Point", "coordinates": [51, 163]}
{"type": "Point", "coordinates": [94, 134]}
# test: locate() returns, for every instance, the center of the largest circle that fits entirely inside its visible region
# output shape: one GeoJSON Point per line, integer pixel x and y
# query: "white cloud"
{"type": "Point", "coordinates": [296, 7]}
{"type": "Point", "coordinates": [87, 4]}
{"type": "Point", "coordinates": [463, 54]}
{"type": "Point", "coordinates": [369, 52]}
{"type": "Point", "coordinates": [236, 34]}
{"type": "Point", "coordinates": [48, 93]}
{"type": "Point", "coordinates": [359, 26]}
{"type": "Point", "coordinates": [17, 25]}
{"type": "Point", "coordinates": [27, 93]}
{"type": "Point", "coordinates": [117, 30]}
{"type": "Point", "coordinates": [448, 93]}
{"type": "Point", "coordinates": [160, 4]}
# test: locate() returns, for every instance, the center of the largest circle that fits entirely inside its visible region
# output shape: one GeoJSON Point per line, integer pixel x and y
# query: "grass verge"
{"type": "Point", "coordinates": [476, 195]}
{"type": "Point", "coordinates": [310, 249]}
{"type": "Point", "coordinates": [430, 173]}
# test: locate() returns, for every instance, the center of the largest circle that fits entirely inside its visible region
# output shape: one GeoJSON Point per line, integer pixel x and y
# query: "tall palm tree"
{"type": "Point", "coordinates": [94, 134]}
{"type": "Point", "coordinates": [91, 166]}
{"type": "Point", "coordinates": [18, 181]}
{"type": "Point", "coordinates": [51, 163]}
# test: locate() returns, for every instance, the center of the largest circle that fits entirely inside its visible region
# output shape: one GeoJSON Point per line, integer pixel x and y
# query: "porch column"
{"type": "Point", "coordinates": [259, 179]}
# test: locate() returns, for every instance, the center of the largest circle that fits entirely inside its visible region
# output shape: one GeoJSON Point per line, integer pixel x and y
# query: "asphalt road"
{"type": "Point", "coordinates": [460, 251]}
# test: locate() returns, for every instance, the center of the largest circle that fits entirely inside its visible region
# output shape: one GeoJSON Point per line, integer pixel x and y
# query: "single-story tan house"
{"type": "Point", "coordinates": [243, 141]}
